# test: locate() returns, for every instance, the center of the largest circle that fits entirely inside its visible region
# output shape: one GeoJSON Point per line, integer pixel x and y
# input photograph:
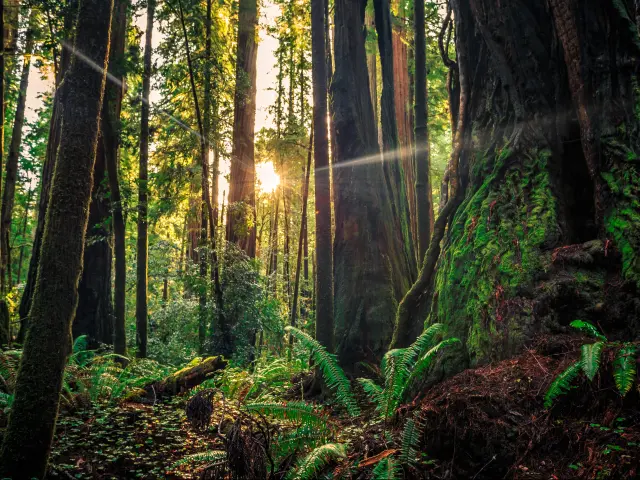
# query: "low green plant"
{"type": "Point", "coordinates": [332, 373]}
{"type": "Point", "coordinates": [624, 364]}
{"type": "Point", "coordinates": [310, 465]}
{"type": "Point", "coordinates": [401, 368]}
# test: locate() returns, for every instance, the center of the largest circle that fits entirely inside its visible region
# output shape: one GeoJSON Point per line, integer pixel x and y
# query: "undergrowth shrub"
{"type": "Point", "coordinates": [624, 364]}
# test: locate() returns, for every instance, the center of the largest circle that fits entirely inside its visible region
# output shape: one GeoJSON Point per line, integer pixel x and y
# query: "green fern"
{"type": "Point", "coordinates": [387, 469]}
{"type": "Point", "coordinates": [410, 441]}
{"type": "Point", "coordinates": [212, 456]}
{"type": "Point", "coordinates": [590, 360]}
{"type": "Point", "coordinates": [332, 373]}
{"type": "Point", "coordinates": [308, 467]}
{"type": "Point", "coordinates": [588, 328]}
{"type": "Point", "coordinates": [624, 368]}
{"type": "Point", "coordinates": [373, 391]}
{"type": "Point", "coordinates": [307, 436]}
{"type": "Point", "coordinates": [296, 412]}
{"type": "Point", "coordinates": [425, 362]}
{"type": "Point", "coordinates": [562, 383]}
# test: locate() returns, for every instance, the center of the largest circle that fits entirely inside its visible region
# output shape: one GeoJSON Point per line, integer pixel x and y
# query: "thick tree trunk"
{"type": "Point", "coordinates": [242, 195]}
{"type": "Point", "coordinates": [423, 200]}
{"type": "Point", "coordinates": [47, 172]}
{"type": "Point", "coordinates": [323, 268]}
{"type": "Point", "coordinates": [142, 242]}
{"type": "Point", "coordinates": [553, 185]}
{"type": "Point", "coordinates": [394, 154]}
{"type": "Point", "coordinates": [11, 170]}
{"type": "Point", "coordinates": [366, 246]}
{"type": "Point", "coordinates": [29, 434]}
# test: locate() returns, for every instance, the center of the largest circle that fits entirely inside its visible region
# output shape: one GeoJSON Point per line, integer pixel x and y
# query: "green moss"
{"type": "Point", "coordinates": [495, 248]}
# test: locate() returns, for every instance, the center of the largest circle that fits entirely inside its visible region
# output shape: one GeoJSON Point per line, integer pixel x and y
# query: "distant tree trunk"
{"type": "Point", "coordinates": [552, 163]}
{"type": "Point", "coordinates": [47, 171]}
{"type": "Point", "coordinates": [372, 68]}
{"type": "Point", "coordinates": [242, 196]}
{"type": "Point", "coordinates": [323, 267]}
{"type": "Point", "coordinates": [11, 171]}
{"type": "Point", "coordinates": [29, 434]}
{"type": "Point", "coordinates": [24, 233]}
{"type": "Point", "coordinates": [273, 264]}
{"type": "Point", "coordinates": [305, 196]}
{"type": "Point", "coordinates": [367, 250]}
{"type": "Point", "coordinates": [393, 155]}
{"type": "Point", "coordinates": [424, 202]}
{"type": "Point", "coordinates": [286, 262]}
{"type": "Point", "coordinates": [142, 242]}
{"type": "Point", "coordinates": [94, 315]}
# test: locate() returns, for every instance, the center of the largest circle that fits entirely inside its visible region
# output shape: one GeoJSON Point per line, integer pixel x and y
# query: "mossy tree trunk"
{"type": "Point", "coordinates": [29, 434]}
{"type": "Point", "coordinates": [366, 246]}
{"type": "Point", "coordinates": [47, 170]}
{"type": "Point", "coordinates": [549, 227]}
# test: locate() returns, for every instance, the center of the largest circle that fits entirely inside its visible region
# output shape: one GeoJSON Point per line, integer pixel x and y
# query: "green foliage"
{"type": "Point", "coordinates": [387, 469]}
{"type": "Point", "coordinates": [624, 368]}
{"type": "Point", "coordinates": [410, 441]}
{"type": "Point", "coordinates": [562, 383]}
{"type": "Point", "coordinates": [402, 367]}
{"type": "Point", "coordinates": [332, 373]}
{"type": "Point", "coordinates": [296, 412]}
{"type": "Point", "coordinates": [624, 364]}
{"type": "Point", "coordinates": [214, 457]}
{"type": "Point", "coordinates": [590, 360]}
{"type": "Point", "coordinates": [587, 328]}
{"type": "Point", "coordinates": [307, 467]}
{"type": "Point", "coordinates": [304, 437]}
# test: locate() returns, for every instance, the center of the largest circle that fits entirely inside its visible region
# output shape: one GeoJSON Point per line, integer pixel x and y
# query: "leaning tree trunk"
{"type": "Point", "coordinates": [549, 227]}
{"type": "Point", "coordinates": [29, 434]}
{"type": "Point", "coordinates": [242, 195]}
{"type": "Point", "coordinates": [47, 172]}
{"type": "Point", "coordinates": [364, 243]}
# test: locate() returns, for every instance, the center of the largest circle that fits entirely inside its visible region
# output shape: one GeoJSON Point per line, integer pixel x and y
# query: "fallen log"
{"type": "Point", "coordinates": [182, 380]}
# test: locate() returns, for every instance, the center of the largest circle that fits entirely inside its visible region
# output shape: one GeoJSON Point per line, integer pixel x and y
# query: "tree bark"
{"type": "Point", "coordinates": [23, 234]}
{"type": "Point", "coordinates": [47, 170]}
{"type": "Point", "coordinates": [551, 178]}
{"type": "Point", "coordinates": [142, 242]}
{"type": "Point", "coordinates": [29, 433]}
{"type": "Point", "coordinates": [394, 155]}
{"type": "Point", "coordinates": [323, 267]}
{"type": "Point", "coordinates": [424, 202]}
{"type": "Point", "coordinates": [366, 247]}
{"type": "Point", "coordinates": [242, 196]}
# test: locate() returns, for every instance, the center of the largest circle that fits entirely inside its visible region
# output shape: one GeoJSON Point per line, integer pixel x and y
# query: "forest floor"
{"type": "Point", "coordinates": [483, 423]}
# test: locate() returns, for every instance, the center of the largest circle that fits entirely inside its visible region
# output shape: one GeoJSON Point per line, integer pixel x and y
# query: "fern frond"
{"type": "Point", "coordinates": [307, 436]}
{"type": "Point", "coordinates": [422, 344]}
{"type": "Point", "coordinates": [373, 390]}
{"type": "Point", "coordinates": [588, 328]}
{"type": "Point", "coordinates": [423, 364]}
{"type": "Point", "coordinates": [212, 456]}
{"type": "Point", "coordinates": [590, 359]}
{"type": "Point", "coordinates": [307, 467]}
{"type": "Point", "coordinates": [562, 383]}
{"type": "Point", "coordinates": [387, 469]}
{"type": "Point", "coordinates": [410, 441]}
{"type": "Point", "coordinates": [624, 368]}
{"type": "Point", "coordinates": [296, 412]}
{"type": "Point", "coordinates": [332, 373]}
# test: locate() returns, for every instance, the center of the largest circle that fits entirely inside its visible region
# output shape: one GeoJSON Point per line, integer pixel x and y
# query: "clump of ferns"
{"type": "Point", "coordinates": [403, 367]}
{"type": "Point", "coordinates": [624, 364]}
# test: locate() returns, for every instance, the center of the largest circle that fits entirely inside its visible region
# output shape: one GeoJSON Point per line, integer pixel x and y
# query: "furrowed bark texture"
{"type": "Point", "coordinates": [242, 195]}
{"type": "Point", "coordinates": [142, 242]}
{"type": "Point", "coordinates": [550, 219]}
{"type": "Point", "coordinates": [47, 172]}
{"type": "Point", "coordinates": [365, 247]}
{"type": "Point", "coordinates": [323, 269]}
{"type": "Point", "coordinates": [29, 433]}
